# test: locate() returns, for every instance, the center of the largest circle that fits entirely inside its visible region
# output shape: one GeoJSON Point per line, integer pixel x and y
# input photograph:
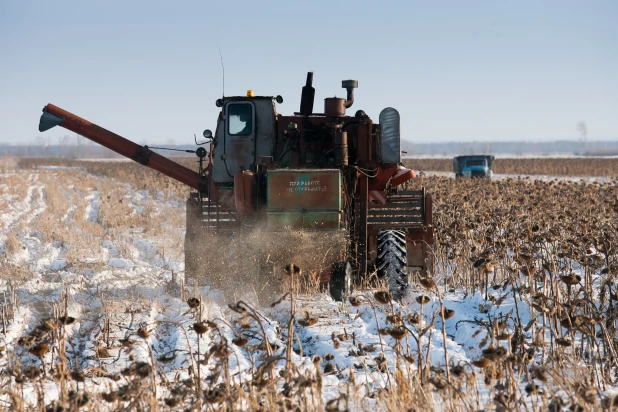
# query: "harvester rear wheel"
{"type": "Point", "coordinates": [391, 261]}
{"type": "Point", "coordinates": [340, 285]}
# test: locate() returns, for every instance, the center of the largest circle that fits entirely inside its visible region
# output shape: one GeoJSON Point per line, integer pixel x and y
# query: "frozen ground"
{"type": "Point", "coordinates": [557, 155]}
{"type": "Point", "coordinates": [542, 178]}
{"type": "Point", "coordinates": [126, 277]}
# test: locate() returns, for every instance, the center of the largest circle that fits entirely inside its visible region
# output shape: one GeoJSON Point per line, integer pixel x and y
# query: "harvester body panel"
{"type": "Point", "coordinates": [304, 198]}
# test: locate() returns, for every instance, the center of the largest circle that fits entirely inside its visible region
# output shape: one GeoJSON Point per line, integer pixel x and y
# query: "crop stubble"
{"type": "Point", "coordinates": [516, 238]}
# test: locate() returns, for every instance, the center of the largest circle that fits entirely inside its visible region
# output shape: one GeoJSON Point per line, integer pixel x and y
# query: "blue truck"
{"type": "Point", "coordinates": [473, 166]}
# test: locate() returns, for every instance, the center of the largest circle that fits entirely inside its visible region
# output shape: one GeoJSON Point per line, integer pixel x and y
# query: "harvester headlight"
{"type": "Point", "coordinates": [207, 134]}
{"type": "Point", "coordinates": [467, 173]}
{"type": "Point", "coordinates": [201, 152]}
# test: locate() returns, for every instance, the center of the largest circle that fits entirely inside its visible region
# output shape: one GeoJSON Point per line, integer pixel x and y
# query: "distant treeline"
{"type": "Point", "coordinates": [566, 166]}
{"type": "Point", "coordinates": [449, 149]}
{"type": "Point", "coordinates": [82, 148]}
{"type": "Point", "coordinates": [79, 151]}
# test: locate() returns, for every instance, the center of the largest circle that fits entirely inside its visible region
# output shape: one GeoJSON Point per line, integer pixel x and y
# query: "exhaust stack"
{"type": "Point", "coordinates": [307, 96]}
{"type": "Point", "coordinates": [349, 85]}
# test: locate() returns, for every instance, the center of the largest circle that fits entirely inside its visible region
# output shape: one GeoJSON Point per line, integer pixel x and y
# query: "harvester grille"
{"type": "Point", "coordinates": [402, 210]}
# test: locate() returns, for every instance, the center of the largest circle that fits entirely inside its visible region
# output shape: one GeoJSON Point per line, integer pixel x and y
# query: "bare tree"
{"type": "Point", "coordinates": [582, 129]}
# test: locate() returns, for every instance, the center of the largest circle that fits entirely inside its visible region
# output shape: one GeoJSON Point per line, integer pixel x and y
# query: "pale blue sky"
{"type": "Point", "coordinates": [456, 70]}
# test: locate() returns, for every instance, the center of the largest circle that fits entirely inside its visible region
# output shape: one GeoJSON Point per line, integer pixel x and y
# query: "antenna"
{"type": "Point", "coordinates": [222, 68]}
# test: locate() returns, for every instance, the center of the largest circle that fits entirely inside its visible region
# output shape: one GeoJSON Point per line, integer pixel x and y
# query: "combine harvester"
{"type": "Point", "coordinates": [310, 176]}
{"type": "Point", "coordinates": [473, 166]}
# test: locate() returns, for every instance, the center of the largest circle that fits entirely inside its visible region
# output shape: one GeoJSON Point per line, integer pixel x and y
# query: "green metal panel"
{"type": "Point", "coordinates": [304, 190]}
{"type": "Point", "coordinates": [303, 220]}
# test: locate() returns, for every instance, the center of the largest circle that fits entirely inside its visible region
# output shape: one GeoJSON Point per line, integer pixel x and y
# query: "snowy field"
{"type": "Point", "coordinates": [540, 178]}
{"type": "Point", "coordinates": [557, 155]}
{"type": "Point", "coordinates": [95, 316]}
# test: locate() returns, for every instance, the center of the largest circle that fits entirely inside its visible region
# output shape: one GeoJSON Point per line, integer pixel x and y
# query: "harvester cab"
{"type": "Point", "coordinates": [321, 190]}
{"type": "Point", "coordinates": [244, 134]}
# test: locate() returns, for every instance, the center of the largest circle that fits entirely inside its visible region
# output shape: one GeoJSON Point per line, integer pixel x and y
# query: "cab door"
{"type": "Point", "coordinates": [239, 137]}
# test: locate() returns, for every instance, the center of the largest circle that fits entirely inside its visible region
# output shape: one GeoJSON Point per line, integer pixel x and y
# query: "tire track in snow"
{"type": "Point", "coordinates": [68, 216]}
{"type": "Point", "coordinates": [17, 212]}
{"type": "Point", "coordinates": [43, 256]}
{"type": "Point", "coordinates": [41, 205]}
{"type": "Point", "coordinates": [129, 293]}
{"type": "Point", "coordinates": [94, 204]}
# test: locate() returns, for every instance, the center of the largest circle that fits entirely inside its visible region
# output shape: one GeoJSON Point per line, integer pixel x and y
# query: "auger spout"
{"type": "Point", "coordinates": [55, 116]}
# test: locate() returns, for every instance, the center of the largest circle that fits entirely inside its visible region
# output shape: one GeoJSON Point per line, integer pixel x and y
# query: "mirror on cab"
{"type": "Point", "coordinates": [207, 138]}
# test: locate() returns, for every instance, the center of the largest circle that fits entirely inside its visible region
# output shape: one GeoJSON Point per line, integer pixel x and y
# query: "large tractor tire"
{"type": "Point", "coordinates": [391, 262]}
{"type": "Point", "coordinates": [340, 285]}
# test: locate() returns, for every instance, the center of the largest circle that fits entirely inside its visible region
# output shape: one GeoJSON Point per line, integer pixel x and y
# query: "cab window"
{"type": "Point", "coordinates": [240, 119]}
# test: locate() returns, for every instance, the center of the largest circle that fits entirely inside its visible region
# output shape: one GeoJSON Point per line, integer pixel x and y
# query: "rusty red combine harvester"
{"type": "Point", "coordinates": [315, 173]}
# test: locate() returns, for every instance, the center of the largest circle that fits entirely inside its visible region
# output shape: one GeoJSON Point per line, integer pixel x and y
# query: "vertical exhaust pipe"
{"type": "Point", "coordinates": [349, 85]}
{"type": "Point", "coordinates": [307, 96]}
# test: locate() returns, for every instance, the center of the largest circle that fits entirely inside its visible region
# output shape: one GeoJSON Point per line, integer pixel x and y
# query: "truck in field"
{"type": "Point", "coordinates": [473, 166]}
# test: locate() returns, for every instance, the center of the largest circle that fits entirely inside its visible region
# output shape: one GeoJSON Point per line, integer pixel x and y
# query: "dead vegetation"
{"type": "Point", "coordinates": [8, 163]}
{"type": "Point", "coordinates": [549, 248]}
{"type": "Point", "coordinates": [551, 245]}
{"type": "Point", "coordinates": [601, 167]}
{"type": "Point", "coordinates": [142, 178]}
